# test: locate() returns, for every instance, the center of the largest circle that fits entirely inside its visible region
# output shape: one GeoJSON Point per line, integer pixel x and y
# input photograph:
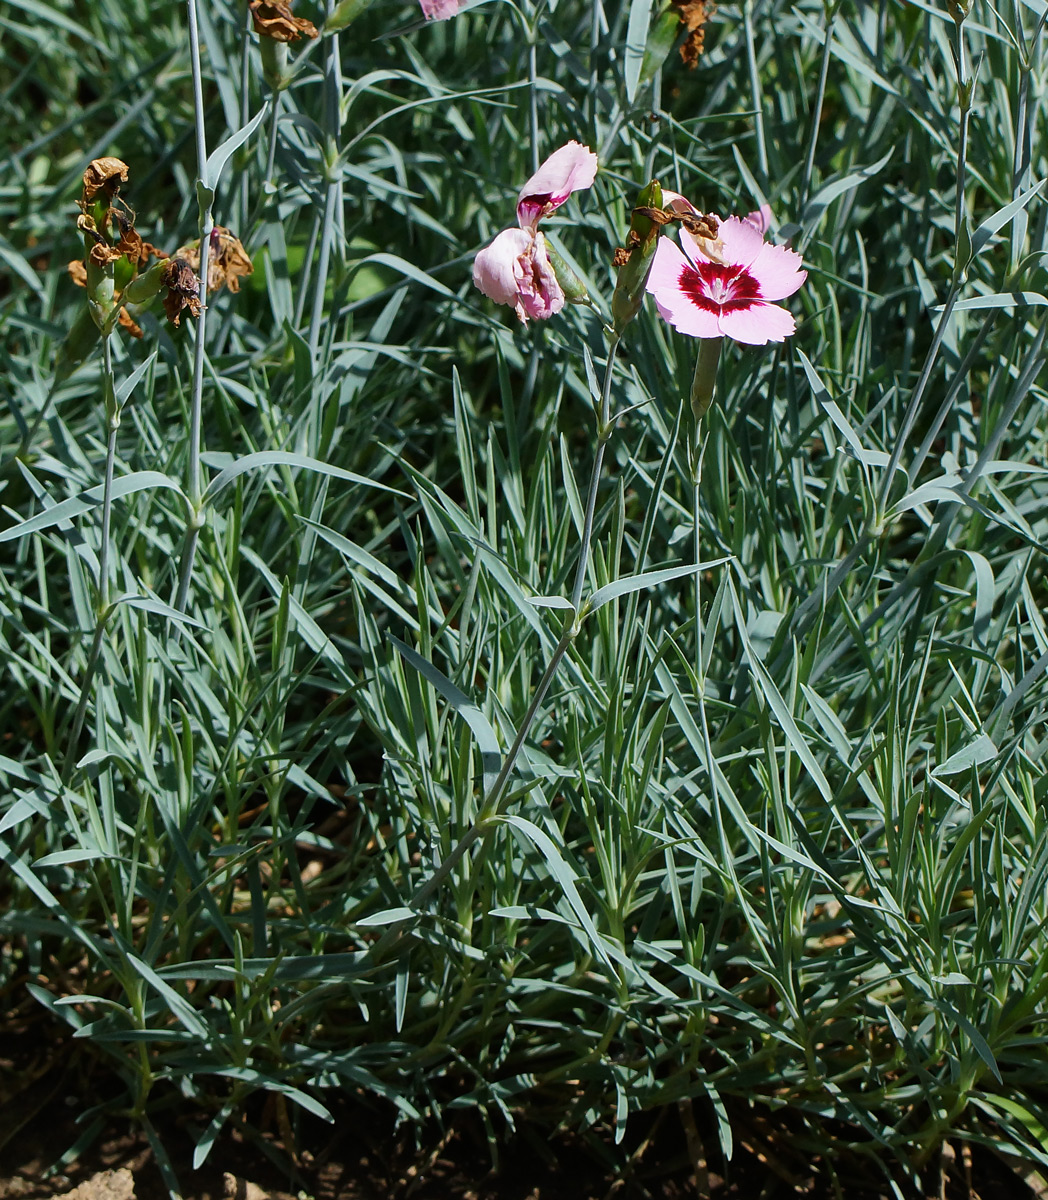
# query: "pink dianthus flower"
{"type": "Point", "coordinates": [724, 286]}
{"type": "Point", "coordinates": [515, 269]}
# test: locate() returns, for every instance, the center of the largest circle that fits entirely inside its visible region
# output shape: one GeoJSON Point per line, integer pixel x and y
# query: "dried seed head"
{"type": "Point", "coordinates": [183, 290]}
{"type": "Point", "coordinates": [274, 19]}
{"type": "Point", "coordinates": [104, 174]}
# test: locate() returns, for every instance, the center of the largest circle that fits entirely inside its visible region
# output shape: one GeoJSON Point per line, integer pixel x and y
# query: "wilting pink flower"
{"type": "Point", "coordinates": [439, 10]}
{"type": "Point", "coordinates": [722, 286]}
{"type": "Point", "coordinates": [515, 269]}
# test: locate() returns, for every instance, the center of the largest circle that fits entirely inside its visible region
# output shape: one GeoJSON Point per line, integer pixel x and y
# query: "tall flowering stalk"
{"type": "Point", "coordinates": [118, 280]}
{"type": "Point", "coordinates": [513, 270]}
{"type": "Point", "coordinates": [195, 481]}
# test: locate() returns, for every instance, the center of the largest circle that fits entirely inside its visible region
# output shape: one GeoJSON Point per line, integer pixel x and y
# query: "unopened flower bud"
{"type": "Point", "coordinates": [570, 284]}
{"type": "Point", "coordinates": [275, 69]}
{"type": "Point", "coordinates": [344, 13]}
{"type": "Point", "coordinates": [634, 260]}
{"type": "Point", "coordinates": [144, 287]}
{"type": "Point", "coordinates": [704, 381]}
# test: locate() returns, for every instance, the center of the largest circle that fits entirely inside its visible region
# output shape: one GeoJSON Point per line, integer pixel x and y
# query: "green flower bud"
{"type": "Point", "coordinates": [144, 287]}
{"type": "Point", "coordinates": [344, 13]}
{"type": "Point", "coordinates": [634, 262]}
{"type": "Point", "coordinates": [704, 381]}
{"type": "Point", "coordinates": [275, 63]}
{"type": "Point", "coordinates": [571, 285]}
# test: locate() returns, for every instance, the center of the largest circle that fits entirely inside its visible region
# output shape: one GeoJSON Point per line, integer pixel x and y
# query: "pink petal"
{"type": "Point", "coordinates": [761, 219]}
{"type": "Point", "coordinates": [758, 324]}
{"type": "Point", "coordinates": [666, 267]}
{"type": "Point", "coordinates": [496, 269]}
{"type": "Point", "coordinates": [742, 241]}
{"type": "Point", "coordinates": [570, 169]}
{"type": "Point", "coordinates": [540, 293]}
{"type": "Point", "coordinates": [778, 271]}
{"type": "Point", "coordinates": [672, 302]}
{"type": "Point", "coordinates": [675, 202]}
{"type": "Point", "coordinates": [439, 10]}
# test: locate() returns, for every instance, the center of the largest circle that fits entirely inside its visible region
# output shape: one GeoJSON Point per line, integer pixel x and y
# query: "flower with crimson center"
{"type": "Point", "coordinates": [724, 286]}
{"type": "Point", "coordinates": [516, 269]}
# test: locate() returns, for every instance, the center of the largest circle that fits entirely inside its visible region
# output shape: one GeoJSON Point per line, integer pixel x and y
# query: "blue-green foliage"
{"type": "Point", "coordinates": [777, 834]}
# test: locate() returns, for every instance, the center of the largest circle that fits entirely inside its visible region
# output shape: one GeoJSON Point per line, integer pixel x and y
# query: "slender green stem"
{"type": "Point", "coordinates": [493, 801]}
{"type": "Point", "coordinates": [271, 154]}
{"type": "Point", "coordinates": [245, 115]}
{"type": "Point", "coordinates": [604, 431]}
{"type": "Point", "coordinates": [816, 110]}
{"type": "Point", "coordinates": [755, 90]}
{"type": "Point", "coordinates": [113, 424]}
{"type": "Point", "coordinates": [333, 194]}
{"type": "Point", "coordinates": [102, 609]}
{"type": "Point", "coordinates": [195, 482]}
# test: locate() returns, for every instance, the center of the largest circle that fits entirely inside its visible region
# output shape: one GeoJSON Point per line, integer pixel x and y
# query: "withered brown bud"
{"type": "Point", "coordinates": [621, 257]}
{"type": "Point", "coordinates": [227, 263]}
{"type": "Point", "coordinates": [183, 290]}
{"type": "Point", "coordinates": [104, 174]}
{"type": "Point", "coordinates": [274, 19]}
{"type": "Point", "coordinates": [78, 273]}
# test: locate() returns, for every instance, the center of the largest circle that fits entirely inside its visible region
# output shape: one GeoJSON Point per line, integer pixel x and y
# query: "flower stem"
{"type": "Point", "coordinates": [492, 804]}
{"type": "Point", "coordinates": [195, 483]}
{"type": "Point", "coordinates": [102, 608]}
{"type": "Point", "coordinates": [333, 178]}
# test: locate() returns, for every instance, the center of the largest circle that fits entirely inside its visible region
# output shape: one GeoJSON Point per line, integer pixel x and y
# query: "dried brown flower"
{"type": "Point", "coordinates": [104, 174]}
{"type": "Point", "coordinates": [274, 19]}
{"type": "Point", "coordinates": [621, 257]}
{"type": "Point", "coordinates": [693, 16]}
{"type": "Point", "coordinates": [78, 272]}
{"type": "Point", "coordinates": [183, 290]}
{"type": "Point", "coordinates": [227, 261]}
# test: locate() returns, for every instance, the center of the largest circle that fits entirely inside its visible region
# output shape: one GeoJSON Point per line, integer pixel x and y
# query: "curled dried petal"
{"type": "Point", "coordinates": [129, 323]}
{"type": "Point", "coordinates": [274, 19]}
{"type": "Point", "coordinates": [104, 174]}
{"type": "Point", "coordinates": [78, 273]}
{"type": "Point", "coordinates": [102, 254]}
